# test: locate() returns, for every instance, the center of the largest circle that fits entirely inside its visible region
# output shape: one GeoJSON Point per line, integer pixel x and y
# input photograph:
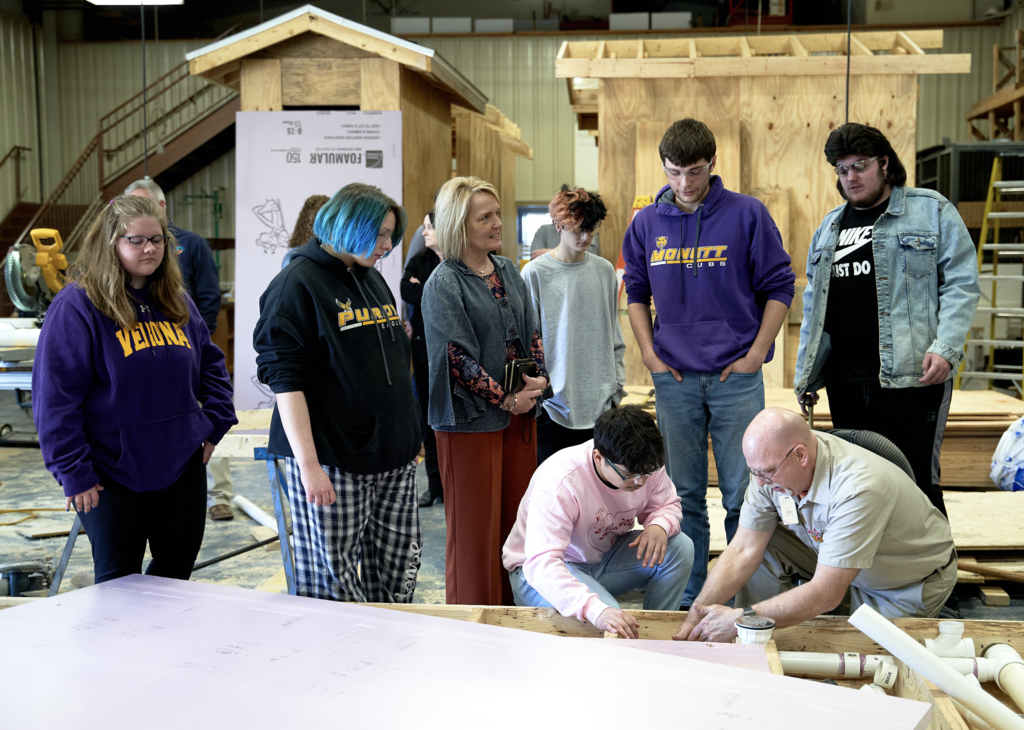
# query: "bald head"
{"type": "Point", "coordinates": [773, 434]}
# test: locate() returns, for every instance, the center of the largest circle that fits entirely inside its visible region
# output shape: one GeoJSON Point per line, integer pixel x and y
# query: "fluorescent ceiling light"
{"type": "Point", "coordinates": [141, 2]}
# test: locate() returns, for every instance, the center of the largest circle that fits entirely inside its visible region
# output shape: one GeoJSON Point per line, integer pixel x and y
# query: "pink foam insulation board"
{"type": "Point", "coordinates": [144, 652]}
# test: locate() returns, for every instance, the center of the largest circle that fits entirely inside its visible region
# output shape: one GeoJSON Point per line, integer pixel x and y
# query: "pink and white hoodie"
{"type": "Point", "coordinates": [569, 515]}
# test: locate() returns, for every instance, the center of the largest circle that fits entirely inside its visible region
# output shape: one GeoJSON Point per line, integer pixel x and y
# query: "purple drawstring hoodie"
{"type": "Point", "coordinates": [124, 404]}
{"type": "Point", "coordinates": [708, 314]}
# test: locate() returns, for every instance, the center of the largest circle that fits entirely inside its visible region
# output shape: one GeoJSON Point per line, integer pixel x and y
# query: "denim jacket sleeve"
{"type": "Point", "coordinates": [805, 323]}
{"type": "Point", "coordinates": [959, 290]}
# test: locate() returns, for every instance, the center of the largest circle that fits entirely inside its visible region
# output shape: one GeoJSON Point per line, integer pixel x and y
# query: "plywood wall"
{"type": "Point", "coordinates": [783, 124]}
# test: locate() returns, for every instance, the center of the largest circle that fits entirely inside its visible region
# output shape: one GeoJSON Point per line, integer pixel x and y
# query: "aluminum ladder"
{"type": "Point", "coordinates": [993, 216]}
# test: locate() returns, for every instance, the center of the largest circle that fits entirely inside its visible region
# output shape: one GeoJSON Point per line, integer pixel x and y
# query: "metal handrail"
{"type": "Point", "coordinates": [15, 153]}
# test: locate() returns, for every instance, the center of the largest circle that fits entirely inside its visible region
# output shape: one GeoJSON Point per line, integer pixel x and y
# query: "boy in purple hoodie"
{"type": "Point", "coordinates": [721, 281]}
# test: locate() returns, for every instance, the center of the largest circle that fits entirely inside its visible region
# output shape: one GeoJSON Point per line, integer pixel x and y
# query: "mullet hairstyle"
{"type": "Point", "coordinates": [350, 221]}
{"type": "Point", "coordinates": [99, 272]}
{"type": "Point", "coordinates": [303, 230]}
{"type": "Point", "coordinates": [687, 142]}
{"type": "Point", "coordinates": [861, 139]}
{"type": "Point", "coordinates": [576, 210]}
{"type": "Point", "coordinates": [451, 211]}
{"type": "Point", "coordinates": [629, 436]}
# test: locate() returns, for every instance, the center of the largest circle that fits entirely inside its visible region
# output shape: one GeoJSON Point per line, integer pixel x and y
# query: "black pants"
{"type": "Point", "coordinates": [172, 520]}
{"type": "Point", "coordinates": [552, 437]}
{"type": "Point", "coordinates": [421, 376]}
{"type": "Point", "coordinates": [912, 418]}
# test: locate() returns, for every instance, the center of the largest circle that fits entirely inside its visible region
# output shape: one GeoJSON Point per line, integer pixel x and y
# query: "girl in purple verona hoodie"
{"type": "Point", "coordinates": [129, 396]}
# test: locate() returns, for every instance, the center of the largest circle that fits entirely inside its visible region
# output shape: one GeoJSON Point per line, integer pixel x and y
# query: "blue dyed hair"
{"type": "Point", "coordinates": [349, 222]}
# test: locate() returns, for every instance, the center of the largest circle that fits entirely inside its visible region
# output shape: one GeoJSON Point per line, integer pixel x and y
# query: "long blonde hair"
{"type": "Point", "coordinates": [98, 269]}
{"type": "Point", "coordinates": [451, 209]}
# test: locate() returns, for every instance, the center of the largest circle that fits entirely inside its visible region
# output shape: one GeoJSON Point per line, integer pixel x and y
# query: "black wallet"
{"type": "Point", "coordinates": [514, 372]}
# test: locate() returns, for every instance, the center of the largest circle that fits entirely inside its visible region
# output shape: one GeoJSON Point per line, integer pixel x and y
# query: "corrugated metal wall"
{"type": "Point", "coordinates": [946, 98]}
{"type": "Point", "coordinates": [518, 77]}
{"type": "Point", "coordinates": [18, 120]}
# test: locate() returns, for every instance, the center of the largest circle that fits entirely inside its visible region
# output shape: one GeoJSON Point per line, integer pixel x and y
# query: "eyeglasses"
{"type": "Point", "coordinates": [137, 241]}
{"type": "Point", "coordinates": [634, 478]}
{"type": "Point", "coordinates": [673, 174]}
{"type": "Point", "coordinates": [767, 478]}
{"type": "Point", "coordinates": [859, 166]}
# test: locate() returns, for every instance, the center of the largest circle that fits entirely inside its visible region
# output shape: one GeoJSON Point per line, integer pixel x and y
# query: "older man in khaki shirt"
{"type": "Point", "coordinates": [851, 520]}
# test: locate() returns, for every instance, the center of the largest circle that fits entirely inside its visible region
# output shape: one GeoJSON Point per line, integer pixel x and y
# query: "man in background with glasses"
{"type": "Point", "coordinates": [892, 285]}
{"type": "Point", "coordinates": [721, 281]}
{"type": "Point", "coordinates": [574, 546]}
{"type": "Point", "coordinates": [834, 516]}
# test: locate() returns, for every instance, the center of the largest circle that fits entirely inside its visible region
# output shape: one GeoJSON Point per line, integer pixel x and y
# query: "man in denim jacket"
{"type": "Point", "coordinates": [904, 279]}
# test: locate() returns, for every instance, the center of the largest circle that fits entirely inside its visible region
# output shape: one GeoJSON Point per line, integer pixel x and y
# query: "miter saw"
{"type": "Point", "coordinates": [35, 272]}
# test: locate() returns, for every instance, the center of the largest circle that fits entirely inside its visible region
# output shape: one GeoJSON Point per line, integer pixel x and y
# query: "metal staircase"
{"type": "Point", "coordinates": [992, 220]}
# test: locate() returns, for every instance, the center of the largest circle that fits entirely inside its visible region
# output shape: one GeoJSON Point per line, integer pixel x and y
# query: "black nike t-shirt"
{"type": "Point", "coordinates": [851, 312]}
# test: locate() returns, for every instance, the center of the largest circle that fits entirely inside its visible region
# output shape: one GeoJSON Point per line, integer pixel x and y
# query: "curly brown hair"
{"type": "Point", "coordinates": [303, 230]}
{"type": "Point", "coordinates": [576, 210]}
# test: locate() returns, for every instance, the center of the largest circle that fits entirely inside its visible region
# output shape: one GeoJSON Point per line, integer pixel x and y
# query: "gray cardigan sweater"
{"type": "Point", "coordinates": [459, 308]}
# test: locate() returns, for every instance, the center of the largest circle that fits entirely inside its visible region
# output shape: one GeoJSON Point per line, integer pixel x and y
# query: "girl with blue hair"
{"type": "Point", "coordinates": [331, 345]}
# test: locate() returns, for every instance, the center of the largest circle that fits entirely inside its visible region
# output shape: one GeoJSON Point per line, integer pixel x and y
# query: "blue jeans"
{"type": "Point", "coordinates": [687, 412]}
{"type": "Point", "coordinates": [620, 571]}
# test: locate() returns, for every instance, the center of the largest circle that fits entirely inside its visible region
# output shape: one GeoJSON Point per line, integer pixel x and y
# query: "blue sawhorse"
{"type": "Point", "coordinates": [277, 487]}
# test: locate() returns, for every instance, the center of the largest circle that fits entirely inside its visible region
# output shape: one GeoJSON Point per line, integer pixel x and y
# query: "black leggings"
{"type": "Point", "coordinates": [912, 418]}
{"type": "Point", "coordinates": [552, 437]}
{"type": "Point", "coordinates": [172, 520]}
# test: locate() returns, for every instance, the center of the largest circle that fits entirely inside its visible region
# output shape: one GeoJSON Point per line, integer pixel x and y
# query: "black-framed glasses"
{"type": "Point", "coordinates": [859, 166]}
{"type": "Point", "coordinates": [137, 241]}
{"type": "Point", "coordinates": [694, 172]}
{"type": "Point", "coordinates": [634, 478]}
{"type": "Point", "coordinates": [767, 479]}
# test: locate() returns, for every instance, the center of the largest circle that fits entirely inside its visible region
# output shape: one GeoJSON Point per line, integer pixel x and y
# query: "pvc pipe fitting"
{"type": "Point", "coordinates": [754, 630]}
{"type": "Point", "coordinates": [885, 675]}
{"type": "Point", "coordinates": [950, 641]}
{"type": "Point", "coordinates": [872, 688]}
{"type": "Point", "coordinates": [975, 699]}
{"type": "Point", "coordinates": [1009, 671]}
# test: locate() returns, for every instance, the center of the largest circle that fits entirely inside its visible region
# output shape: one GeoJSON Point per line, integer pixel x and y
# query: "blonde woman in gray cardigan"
{"type": "Point", "coordinates": [573, 295]}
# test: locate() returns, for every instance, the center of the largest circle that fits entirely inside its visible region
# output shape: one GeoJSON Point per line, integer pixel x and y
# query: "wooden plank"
{"type": "Point", "coordinates": [261, 85]}
{"type": "Point", "coordinates": [912, 686]}
{"type": "Point", "coordinates": [426, 146]}
{"type": "Point", "coordinates": [252, 420]}
{"type": "Point", "coordinates": [989, 572]}
{"type": "Point", "coordinates": [380, 86]}
{"type": "Point", "coordinates": [321, 81]}
{"type": "Point", "coordinates": [383, 48]}
{"type": "Point", "coordinates": [247, 46]}
{"type": "Point", "coordinates": [986, 520]}
{"type": "Point", "coordinates": [772, 653]}
{"type": "Point", "coordinates": [994, 596]}
{"type": "Point", "coordinates": [857, 48]}
{"type": "Point", "coordinates": [44, 534]}
{"type": "Point", "coordinates": [1001, 101]}
{"type": "Point", "coordinates": [907, 44]}
{"type": "Point", "coordinates": [462, 92]}
{"type": "Point", "coordinates": [796, 47]}
{"type": "Point", "coordinates": [311, 45]}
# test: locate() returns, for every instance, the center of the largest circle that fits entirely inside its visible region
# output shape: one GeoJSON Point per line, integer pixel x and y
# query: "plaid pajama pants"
{"type": "Point", "coordinates": [374, 522]}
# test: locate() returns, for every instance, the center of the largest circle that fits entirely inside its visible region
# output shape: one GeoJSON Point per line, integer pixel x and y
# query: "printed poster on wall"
{"type": "Point", "coordinates": [281, 158]}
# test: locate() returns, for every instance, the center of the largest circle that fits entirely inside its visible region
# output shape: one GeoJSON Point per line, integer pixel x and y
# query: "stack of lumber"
{"type": "Point", "coordinates": [977, 420]}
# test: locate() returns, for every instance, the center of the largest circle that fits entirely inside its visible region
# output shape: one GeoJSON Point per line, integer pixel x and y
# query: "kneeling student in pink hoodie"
{"type": "Point", "coordinates": [573, 547]}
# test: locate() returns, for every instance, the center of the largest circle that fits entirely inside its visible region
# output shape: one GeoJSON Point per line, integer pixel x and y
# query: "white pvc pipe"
{"type": "Point", "coordinates": [255, 512]}
{"type": "Point", "coordinates": [840, 666]}
{"type": "Point", "coordinates": [21, 337]}
{"type": "Point", "coordinates": [1009, 671]}
{"type": "Point", "coordinates": [972, 719]}
{"type": "Point", "coordinates": [951, 642]}
{"type": "Point", "coordinates": [975, 699]}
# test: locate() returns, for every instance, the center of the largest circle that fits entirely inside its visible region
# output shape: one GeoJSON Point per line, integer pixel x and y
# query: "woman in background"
{"type": "Point", "coordinates": [477, 318]}
{"type": "Point", "coordinates": [123, 362]}
{"type": "Point", "coordinates": [303, 230]}
{"type": "Point", "coordinates": [417, 271]}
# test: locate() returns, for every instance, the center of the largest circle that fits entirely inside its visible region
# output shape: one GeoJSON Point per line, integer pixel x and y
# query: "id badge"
{"type": "Point", "coordinates": [788, 505]}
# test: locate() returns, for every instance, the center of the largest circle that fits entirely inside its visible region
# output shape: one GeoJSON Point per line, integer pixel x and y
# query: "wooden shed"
{"type": "Point", "coordinates": [309, 58]}
{"type": "Point", "coordinates": [771, 101]}
{"type": "Point", "coordinates": [486, 145]}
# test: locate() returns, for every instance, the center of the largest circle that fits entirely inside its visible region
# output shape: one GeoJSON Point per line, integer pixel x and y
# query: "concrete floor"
{"type": "Point", "coordinates": [24, 482]}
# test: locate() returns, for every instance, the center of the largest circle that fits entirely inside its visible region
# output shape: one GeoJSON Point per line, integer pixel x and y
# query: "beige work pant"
{"type": "Point", "coordinates": [218, 486]}
{"type": "Point", "coordinates": [787, 558]}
